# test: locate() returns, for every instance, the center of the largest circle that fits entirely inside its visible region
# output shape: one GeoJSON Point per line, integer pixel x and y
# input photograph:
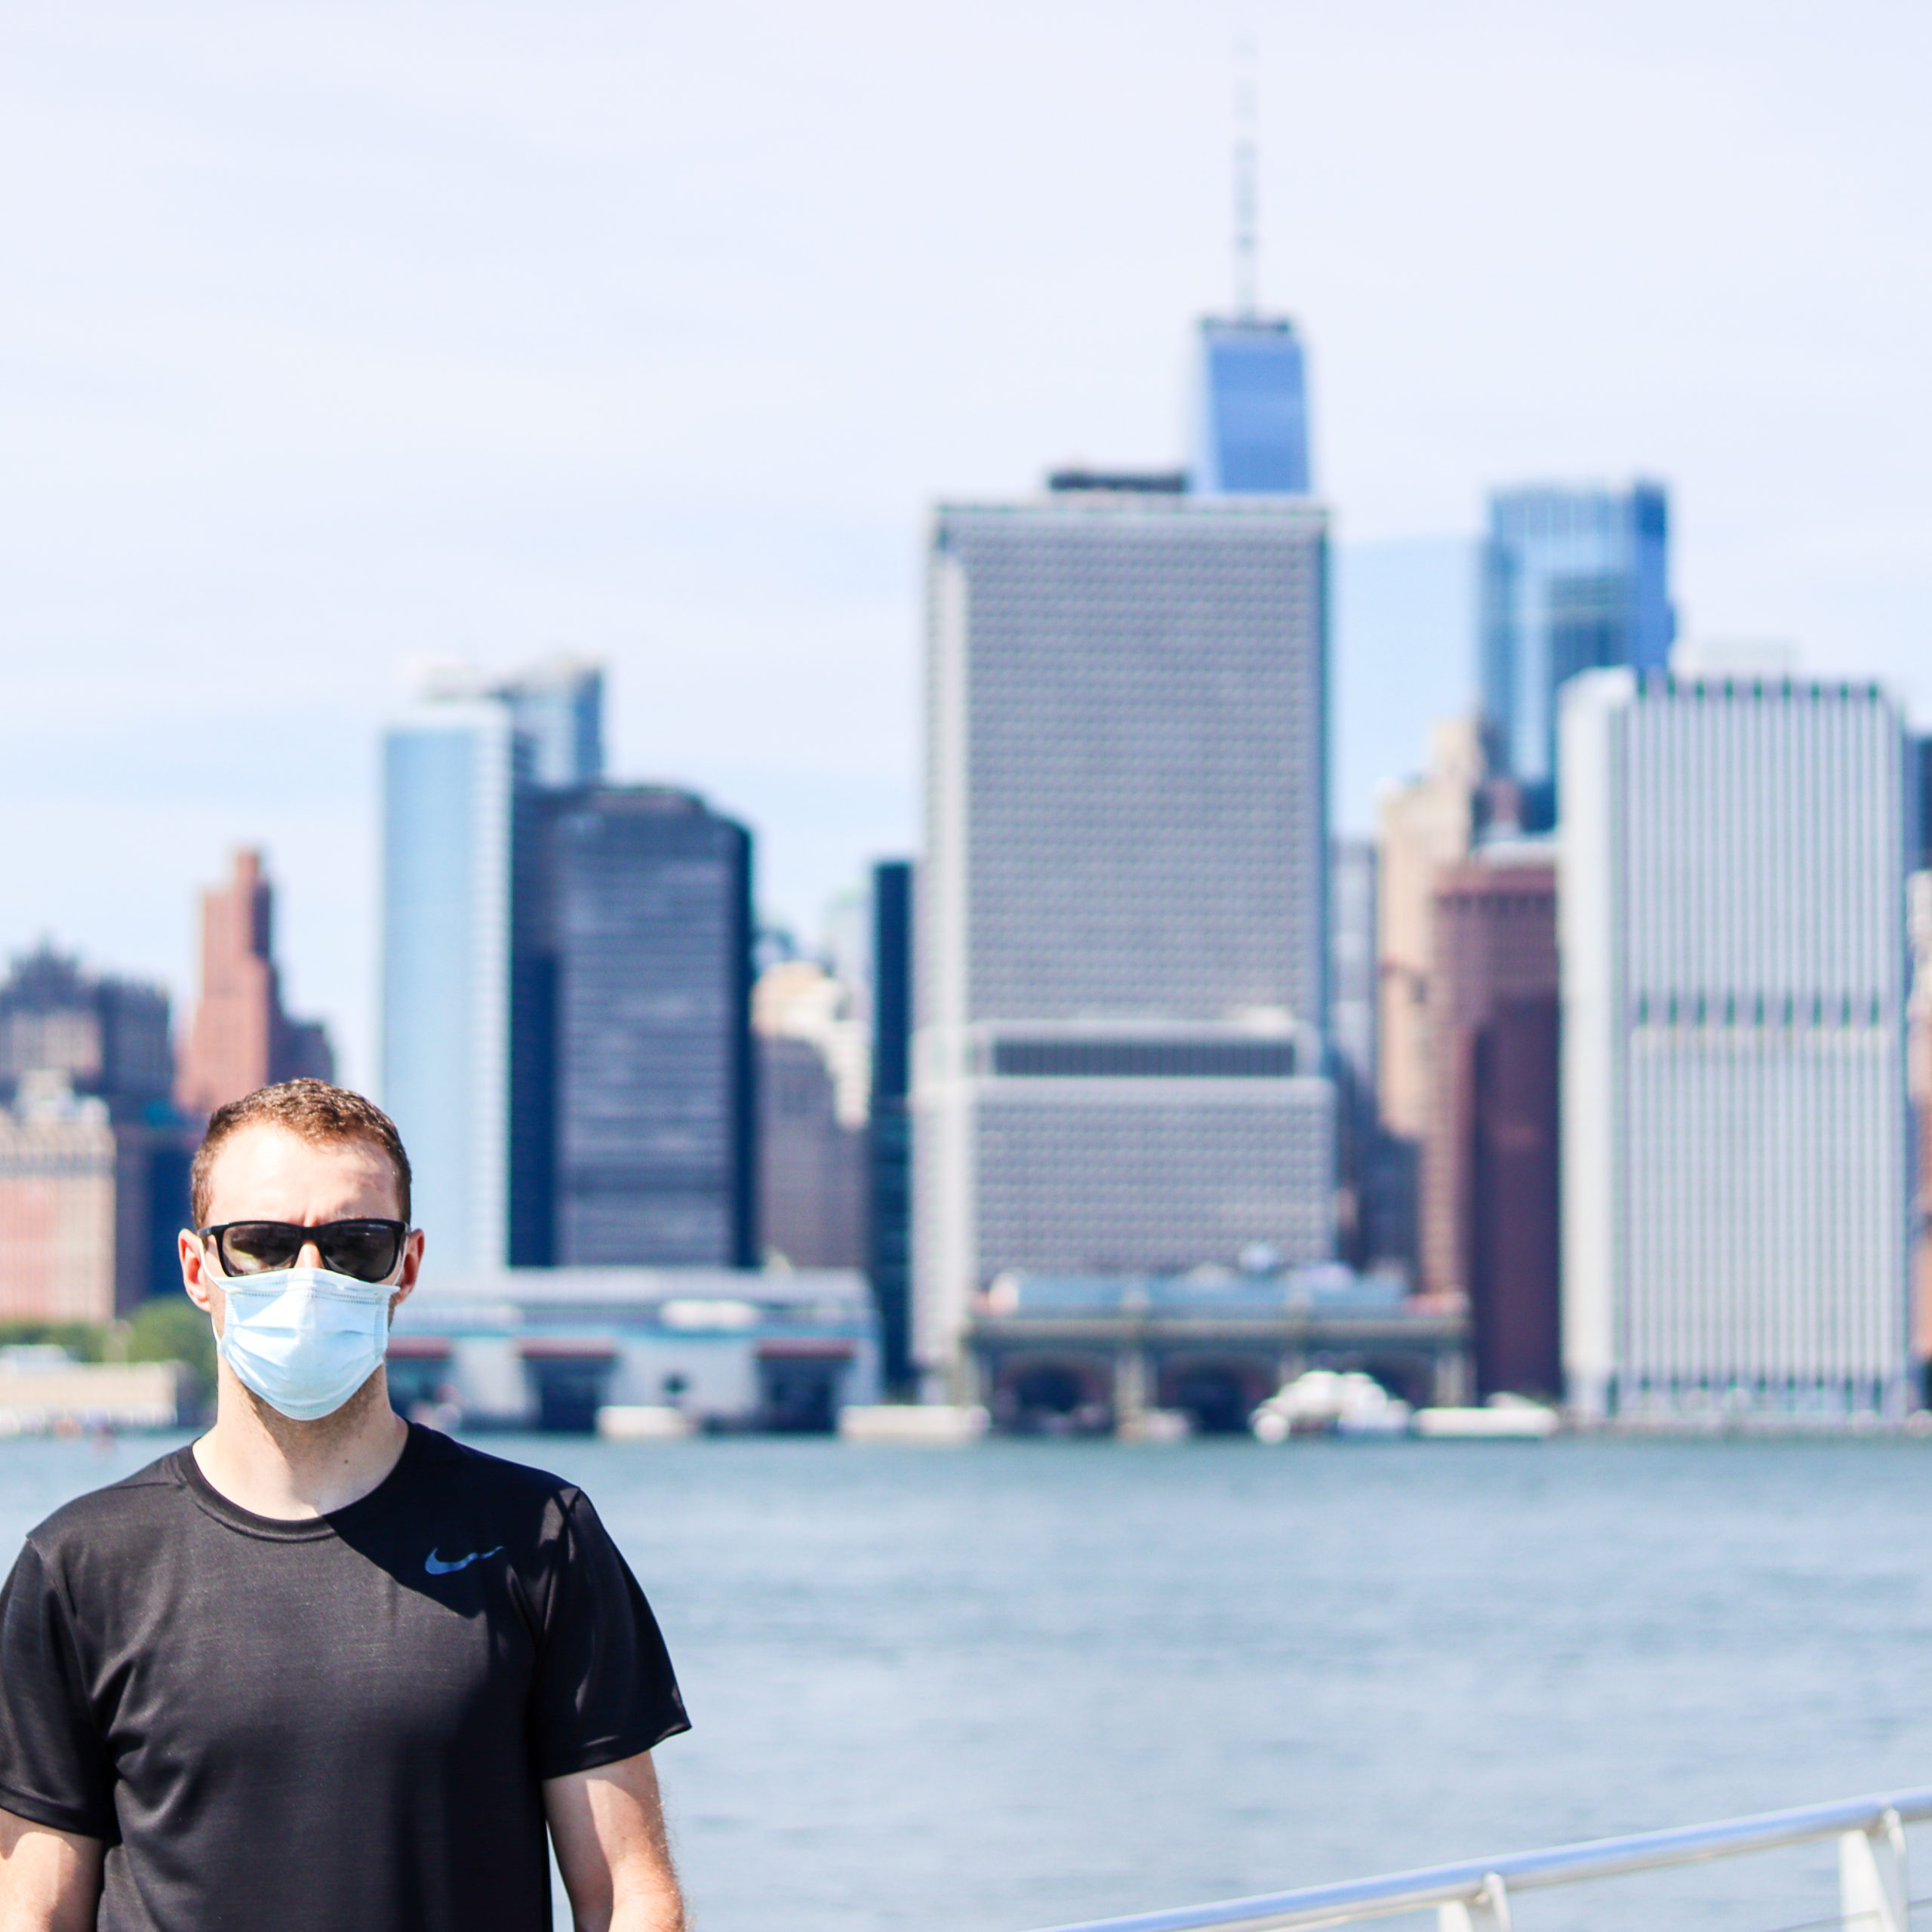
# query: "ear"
{"type": "Point", "coordinates": [195, 1276]}
{"type": "Point", "coordinates": [412, 1266]}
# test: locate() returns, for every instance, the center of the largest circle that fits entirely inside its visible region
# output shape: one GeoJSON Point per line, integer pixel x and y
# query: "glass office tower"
{"type": "Point", "coordinates": [449, 793]}
{"type": "Point", "coordinates": [636, 1139]}
{"type": "Point", "coordinates": [460, 774]}
{"type": "Point", "coordinates": [1251, 420]}
{"type": "Point", "coordinates": [1573, 580]}
{"type": "Point", "coordinates": [558, 707]}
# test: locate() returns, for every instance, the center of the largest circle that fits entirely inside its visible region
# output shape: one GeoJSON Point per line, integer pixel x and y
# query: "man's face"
{"type": "Point", "coordinates": [266, 1174]}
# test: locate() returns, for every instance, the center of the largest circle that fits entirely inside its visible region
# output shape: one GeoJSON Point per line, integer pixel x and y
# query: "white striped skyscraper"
{"type": "Point", "coordinates": [1734, 1116]}
{"type": "Point", "coordinates": [1122, 927]}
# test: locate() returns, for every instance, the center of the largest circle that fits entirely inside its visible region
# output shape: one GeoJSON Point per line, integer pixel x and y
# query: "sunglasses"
{"type": "Point", "coordinates": [364, 1250]}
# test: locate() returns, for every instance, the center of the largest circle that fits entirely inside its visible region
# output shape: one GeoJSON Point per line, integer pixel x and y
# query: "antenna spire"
{"type": "Point", "coordinates": [1246, 240]}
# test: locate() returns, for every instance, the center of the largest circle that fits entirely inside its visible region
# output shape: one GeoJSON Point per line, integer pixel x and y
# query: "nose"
{"type": "Point", "coordinates": [311, 1256]}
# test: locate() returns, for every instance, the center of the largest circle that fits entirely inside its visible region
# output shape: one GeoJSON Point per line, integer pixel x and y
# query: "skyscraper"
{"type": "Point", "coordinates": [241, 1038]}
{"type": "Point", "coordinates": [1573, 580]}
{"type": "Point", "coordinates": [450, 794]}
{"type": "Point", "coordinates": [812, 1081]}
{"type": "Point", "coordinates": [1428, 822]}
{"type": "Point", "coordinates": [889, 1215]}
{"type": "Point", "coordinates": [635, 1087]}
{"type": "Point", "coordinates": [1122, 923]}
{"type": "Point", "coordinates": [1490, 1181]}
{"type": "Point", "coordinates": [1353, 1002]}
{"type": "Point", "coordinates": [558, 709]}
{"type": "Point", "coordinates": [566, 985]}
{"type": "Point", "coordinates": [1251, 410]}
{"type": "Point", "coordinates": [1734, 1112]}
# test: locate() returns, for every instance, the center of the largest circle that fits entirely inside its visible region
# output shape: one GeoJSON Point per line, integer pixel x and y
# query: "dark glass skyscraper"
{"type": "Point", "coordinates": [1251, 436]}
{"type": "Point", "coordinates": [1573, 580]}
{"type": "Point", "coordinates": [633, 1135]}
{"type": "Point", "coordinates": [890, 1220]}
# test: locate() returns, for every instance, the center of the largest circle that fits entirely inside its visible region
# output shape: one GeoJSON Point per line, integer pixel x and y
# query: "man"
{"type": "Point", "coordinates": [323, 1671]}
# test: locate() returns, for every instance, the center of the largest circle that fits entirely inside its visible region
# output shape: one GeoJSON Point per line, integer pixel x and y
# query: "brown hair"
{"type": "Point", "coordinates": [313, 1111]}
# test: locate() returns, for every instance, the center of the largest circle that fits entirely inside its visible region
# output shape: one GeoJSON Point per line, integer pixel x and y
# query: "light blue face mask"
{"type": "Point", "coordinates": [302, 1339]}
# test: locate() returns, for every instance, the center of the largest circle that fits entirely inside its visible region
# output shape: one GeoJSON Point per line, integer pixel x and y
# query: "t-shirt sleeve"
{"type": "Point", "coordinates": [54, 1765]}
{"type": "Point", "coordinates": [604, 1687]}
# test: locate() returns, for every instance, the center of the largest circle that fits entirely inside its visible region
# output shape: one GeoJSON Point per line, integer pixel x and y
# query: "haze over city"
{"type": "Point", "coordinates": [340, 341]}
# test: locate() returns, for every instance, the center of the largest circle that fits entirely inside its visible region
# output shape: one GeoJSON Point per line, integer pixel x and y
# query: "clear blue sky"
{"type": "Point", "coordinates": [335, 337]}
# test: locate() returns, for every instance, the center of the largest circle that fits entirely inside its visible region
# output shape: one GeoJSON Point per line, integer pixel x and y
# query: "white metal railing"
{"type": "Point", "coordinates": [1474, 1896]}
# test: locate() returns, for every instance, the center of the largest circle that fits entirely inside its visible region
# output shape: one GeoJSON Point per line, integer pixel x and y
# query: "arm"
{"type": "Point", "coordinates": [608, 1827]}
{"type": "Point", "coordinates": [50, 1881]}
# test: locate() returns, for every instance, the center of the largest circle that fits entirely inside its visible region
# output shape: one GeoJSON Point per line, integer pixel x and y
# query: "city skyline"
{"type": "Point", "coordinates": [290, 415]}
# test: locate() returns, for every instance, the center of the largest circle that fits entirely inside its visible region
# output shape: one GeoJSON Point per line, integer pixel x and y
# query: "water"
{"type": "Point", "coordinates": [999, 1688]}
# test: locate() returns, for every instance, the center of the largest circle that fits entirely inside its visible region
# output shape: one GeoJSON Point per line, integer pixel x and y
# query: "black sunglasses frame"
{"type": "Point", "coordinates": [302, 1236]}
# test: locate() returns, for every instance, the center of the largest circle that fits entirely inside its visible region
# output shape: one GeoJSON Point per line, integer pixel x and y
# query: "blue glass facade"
{"type": "Point", "coordinates": [1573, 580]}
{"type": "Point", "coordinates": [635, 1138]}
{"type": "Point", "coordinates": [558, 709]}
{"type": "Point", "coordinates": [1251, 434]}
{"type": "Point", "coordinates": [448, 786]}
{"type": "Point", "coordinates": [566, 992]}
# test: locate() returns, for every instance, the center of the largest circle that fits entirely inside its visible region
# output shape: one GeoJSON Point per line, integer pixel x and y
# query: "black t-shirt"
{"type": "Point", "coordinates": [340, 1724]}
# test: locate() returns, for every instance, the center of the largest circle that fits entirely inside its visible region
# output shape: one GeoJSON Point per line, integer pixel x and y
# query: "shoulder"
{"type": "Point", "coordinates": [442, 1459]}
{"type": "Point", "coordinates": [149, 1495]}
{"type": "Point", "coordinates": [118, 1531]}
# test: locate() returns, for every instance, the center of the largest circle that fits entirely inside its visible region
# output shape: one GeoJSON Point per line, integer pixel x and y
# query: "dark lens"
{"type": "Point", "coordinates": [364, 1250]}
{"type": "Point", "coordinates": [254, 1248]}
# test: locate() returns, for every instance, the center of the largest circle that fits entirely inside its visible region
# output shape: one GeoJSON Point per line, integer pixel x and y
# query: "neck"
{"type": "Point", "coordinates": [259, 1459]}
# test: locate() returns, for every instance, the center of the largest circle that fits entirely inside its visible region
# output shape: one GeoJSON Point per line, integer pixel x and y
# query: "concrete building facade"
{"type": "Point", "coordinates": [1122, 959]}
{"type": "Point", "coordinates": [1735, 1212]}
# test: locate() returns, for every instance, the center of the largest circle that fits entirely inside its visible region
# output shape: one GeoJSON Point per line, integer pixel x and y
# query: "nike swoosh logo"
{"type": "Point", "coordinates": [437, 1566]}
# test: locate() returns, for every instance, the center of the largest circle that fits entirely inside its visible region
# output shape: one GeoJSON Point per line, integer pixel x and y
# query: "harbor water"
{"type": "Point", "coordinates": [1032, 1682]}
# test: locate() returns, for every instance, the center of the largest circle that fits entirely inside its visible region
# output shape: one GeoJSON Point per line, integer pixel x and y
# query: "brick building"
{"type": "Point", "coordinates": [1490, 1181]}
{"type": "Point", "coordinates": [241, 1039]}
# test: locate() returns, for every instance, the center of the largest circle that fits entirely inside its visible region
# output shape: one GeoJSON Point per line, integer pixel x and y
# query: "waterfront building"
{"type": "Point", "coordinates": [241, 1038]}
{"type": "Point", "coordinates": [59, 1204]}
{"type": "Point", "coordinates": [728, 1349]}
{"type": "Point", "coordinates": [889, 1125]}
{"type": "Point", "coordinates": [1251, 420]}
{"type": "Point", "coordinates": [1573, 579]}
{"type": "Point", "coordinates": [1735, 1193]}
{"type": "Point", "coordinates": [812, 1087]}
{"type": "Point", "coordinates": [1122, 959]}
{"type": "Point", "coordinates": [1489, 1175]}
{"type": "Point", "coordinates": [103, 1043]}
{"type": "Point", "coordinates": [1090, 1354]}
